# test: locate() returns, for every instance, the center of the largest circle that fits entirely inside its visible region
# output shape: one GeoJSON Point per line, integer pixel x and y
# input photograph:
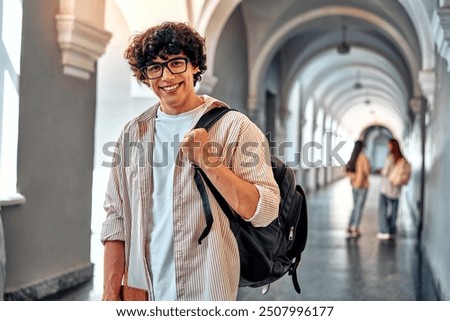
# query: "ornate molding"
{"type": "Point", "coordinates": [10, 200]}
{"type": "Point", "coordinates": [81, 44]}
{"type": "Point", "coordinates": [416, 104]}
{"type": "Point", "coordinates": [440, 26]}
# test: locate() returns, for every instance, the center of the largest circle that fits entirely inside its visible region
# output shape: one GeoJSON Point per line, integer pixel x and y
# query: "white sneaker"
{"type": "Point", "coordinates": [383, 236]}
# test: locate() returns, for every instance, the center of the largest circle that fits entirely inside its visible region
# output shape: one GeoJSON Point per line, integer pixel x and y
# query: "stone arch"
{"type": "Point", "coordinates": [277, 38]}
{"type": "Point", "coordinates": [212, 21]}
{"type": "Point", "coordinates": [419, 18]}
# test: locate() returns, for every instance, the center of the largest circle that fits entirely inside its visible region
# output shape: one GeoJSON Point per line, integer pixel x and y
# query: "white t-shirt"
{"type": "Point", "coordinates": [169, 131]}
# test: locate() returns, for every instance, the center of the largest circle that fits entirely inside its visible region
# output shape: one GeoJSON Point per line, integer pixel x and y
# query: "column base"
{"type": "Point", "coordinates": [52, 286]}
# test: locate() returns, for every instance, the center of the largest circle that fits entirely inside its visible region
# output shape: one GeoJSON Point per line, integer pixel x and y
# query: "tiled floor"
{"type": "Point", "coordinates": [333, 267]}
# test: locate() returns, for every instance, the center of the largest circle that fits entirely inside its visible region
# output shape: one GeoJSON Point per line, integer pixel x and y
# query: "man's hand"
{"type": "Point", "coordinates": [199, 149]}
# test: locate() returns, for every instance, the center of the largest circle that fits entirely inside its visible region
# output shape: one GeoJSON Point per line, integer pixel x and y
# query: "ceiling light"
{"type": "Point", "coordinates": [343, 48]}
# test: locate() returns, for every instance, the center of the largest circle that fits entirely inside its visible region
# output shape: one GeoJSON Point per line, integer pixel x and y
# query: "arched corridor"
{"type": "Point", "coordinates": [315, 76]}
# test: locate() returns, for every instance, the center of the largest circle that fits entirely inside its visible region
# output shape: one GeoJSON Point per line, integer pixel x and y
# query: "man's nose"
{"type": "Point", "coordinates": [166, 73]}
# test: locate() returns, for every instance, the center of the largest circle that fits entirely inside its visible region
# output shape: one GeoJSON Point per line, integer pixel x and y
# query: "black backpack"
{"type": "Point", "coordinates": [266, 253]}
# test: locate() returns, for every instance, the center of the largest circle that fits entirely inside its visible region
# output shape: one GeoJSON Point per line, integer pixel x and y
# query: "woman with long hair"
{"type": "Point", "coordinates": [389, 193]}
{"type": "Point", "coordinates": [358, 170]}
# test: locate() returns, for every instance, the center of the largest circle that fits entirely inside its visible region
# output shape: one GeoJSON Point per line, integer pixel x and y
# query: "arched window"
{"type": "Point", "coordinates": [10, 48]}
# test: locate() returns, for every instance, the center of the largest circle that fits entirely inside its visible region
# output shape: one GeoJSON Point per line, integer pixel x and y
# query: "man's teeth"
{"type": "Point", "coordinates": [170, 88]}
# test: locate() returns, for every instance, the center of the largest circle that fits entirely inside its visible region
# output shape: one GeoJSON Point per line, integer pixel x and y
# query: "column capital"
{"type": "Point", "coordinates": [81, 36]}
{"type": "Point", "coordinates": [427, 82]}
{"type": "Point", "coordinates": [416, 104]}
{"type": "Point", "coordinates": [444, 3]}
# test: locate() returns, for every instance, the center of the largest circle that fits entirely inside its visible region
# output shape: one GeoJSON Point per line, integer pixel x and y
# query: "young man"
{"type": "Point", "coordinates": [154, 210]}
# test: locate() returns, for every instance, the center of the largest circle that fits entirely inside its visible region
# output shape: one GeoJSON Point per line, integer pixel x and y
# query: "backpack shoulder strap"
{"type": "Point", "coordinates": [207, 121]}
{"type": "Point", "coordinates": [209, 118]}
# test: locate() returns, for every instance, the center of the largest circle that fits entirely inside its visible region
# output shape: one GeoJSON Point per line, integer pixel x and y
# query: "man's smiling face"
{"type": "Point", "coordinates": [175, 90]}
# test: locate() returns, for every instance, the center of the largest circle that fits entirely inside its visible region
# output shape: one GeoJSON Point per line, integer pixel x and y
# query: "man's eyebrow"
{"type": "Point", "coordinates": [164, 60]}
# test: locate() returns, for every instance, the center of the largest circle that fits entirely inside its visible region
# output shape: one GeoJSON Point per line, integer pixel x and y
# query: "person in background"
{"type": "Point", "coordinates": [154, 212]}
{"type": "Point", "coordinates": [358, 171]}
{"type": "Point", "coordinates": [389, 193]}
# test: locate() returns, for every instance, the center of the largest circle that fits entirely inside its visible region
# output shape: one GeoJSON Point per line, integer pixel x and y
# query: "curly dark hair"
{"type": "Point", "coordinates": [168, 38]}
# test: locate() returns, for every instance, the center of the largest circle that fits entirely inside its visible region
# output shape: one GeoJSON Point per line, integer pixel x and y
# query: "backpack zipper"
{"type": "Point", "coordinates": [291, 233]}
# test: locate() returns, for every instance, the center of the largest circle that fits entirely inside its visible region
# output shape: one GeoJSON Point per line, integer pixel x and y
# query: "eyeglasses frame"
{"type": "Point", "coordinates": [164, 65]}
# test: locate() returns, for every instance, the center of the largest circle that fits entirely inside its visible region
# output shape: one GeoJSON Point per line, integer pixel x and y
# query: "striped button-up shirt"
{"type": "Point", "coordinates": [206, 271]}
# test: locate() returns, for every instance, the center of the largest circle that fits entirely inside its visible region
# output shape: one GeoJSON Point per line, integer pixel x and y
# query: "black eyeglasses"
{"type": "Point", "coordinates": [155, 70]}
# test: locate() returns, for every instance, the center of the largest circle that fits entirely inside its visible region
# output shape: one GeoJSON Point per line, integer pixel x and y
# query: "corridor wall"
{"type": "Point", "coordinates": [436, 218]}
{"type": "Point", "coordinates": [48, 238]}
